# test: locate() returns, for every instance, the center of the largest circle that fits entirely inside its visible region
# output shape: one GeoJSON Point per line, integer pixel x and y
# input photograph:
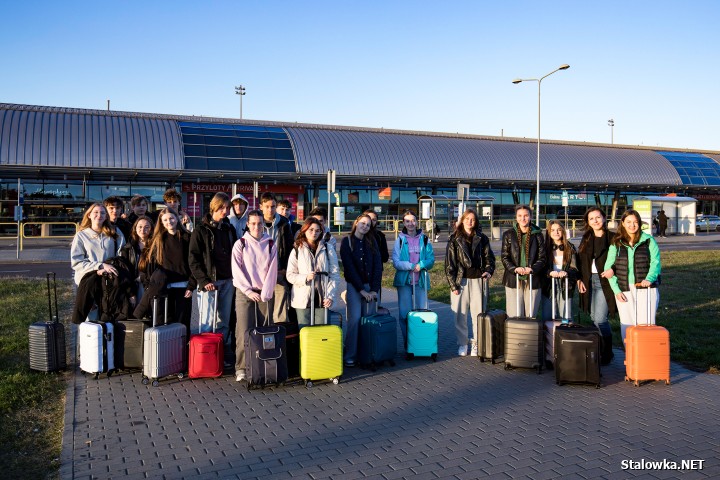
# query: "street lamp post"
{"type": "Point", "coordinates": [611, 124]}
{"type": "Point", "coordinates": [240, 90]}
{"type": "Point", "coordinates": [539, 82]}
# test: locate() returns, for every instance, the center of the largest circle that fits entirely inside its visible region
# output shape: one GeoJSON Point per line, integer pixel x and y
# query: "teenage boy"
{"type": "Point", "coordinates": [114, 207]}
{"type": "Point", "coordinates": [237, 216]}
{"type": "Point", "coordinates": [278, 228]}
{"type": "Point", "coordinates": [283, 208]}
{"type": "Point", "coordinates": [139, 207]}
{"type": "Point", "coordinates": [172, 199]}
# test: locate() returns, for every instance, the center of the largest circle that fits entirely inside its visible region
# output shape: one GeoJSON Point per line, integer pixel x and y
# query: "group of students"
{"type": "Point", "coordinates": [606, 270]}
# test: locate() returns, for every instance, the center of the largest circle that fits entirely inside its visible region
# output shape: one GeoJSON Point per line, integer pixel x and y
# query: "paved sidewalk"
{"type": "Point", "coordinates": [457, 418]}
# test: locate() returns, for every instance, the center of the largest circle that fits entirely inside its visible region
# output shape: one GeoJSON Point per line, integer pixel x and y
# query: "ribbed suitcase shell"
{"type": "Point", "coordinates": [206, 355]}
{"type": "Point", "coordinates": [491, 330]}
{"type": "Point", "coordinates": [129, 338]}
{"type": "Point", "coordinates": [378, 340]}
{"type": "Point", "coordinates": [524, 343]}
{"type": "Point", "coordinates": [422, 333]}
{"type": "Point", "coordinates": [164, 351]}
{"type": "Point", "coordinates": [47, 346]}
{"type": "Point", "coordinates": [577, 355]}
{"type": "Point", "coordinates": [321, 352]}
{"type": "Point", "coordinates": [97, 354]}
{"type": "Point", "coordinates": [647, 353]}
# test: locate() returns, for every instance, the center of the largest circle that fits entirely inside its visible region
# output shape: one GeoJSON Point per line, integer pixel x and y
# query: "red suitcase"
{"type": "Point", "coordinates": [647, 349]}
{"type": "Point", "coordinates": [206, 352]}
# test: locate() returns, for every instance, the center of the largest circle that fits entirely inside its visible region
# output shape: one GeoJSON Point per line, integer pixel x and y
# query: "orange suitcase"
{"type": "Point", "coordinates": [647, 351]}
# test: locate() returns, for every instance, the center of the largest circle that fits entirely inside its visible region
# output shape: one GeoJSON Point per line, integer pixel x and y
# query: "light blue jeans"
{"type": "Point", "coordinates": [206, 306]}
{"type": "Point", "coordinates": [598, 306]}
{"type": "Point", "coordinates": [405, 304]}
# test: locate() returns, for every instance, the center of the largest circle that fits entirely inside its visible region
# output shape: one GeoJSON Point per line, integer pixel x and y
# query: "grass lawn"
{"type": "Point", "coordinates": [689, 304]}
{"type": "Point", "coordinates": [32, 403]}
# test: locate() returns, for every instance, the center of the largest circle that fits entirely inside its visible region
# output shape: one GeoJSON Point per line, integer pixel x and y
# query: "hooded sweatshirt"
{"type": "Point", "coordinates": [238, 222]}
{"type": "Point", "coordinates": [254, 266]}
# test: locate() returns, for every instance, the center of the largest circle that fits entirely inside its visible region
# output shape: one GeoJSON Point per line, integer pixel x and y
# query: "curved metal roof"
{"type": "Point", "coordinates": [38, 138]}
{"type": "Point", "coordinates": [362, 153]}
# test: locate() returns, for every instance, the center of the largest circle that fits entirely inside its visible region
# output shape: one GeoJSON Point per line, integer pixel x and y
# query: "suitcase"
{"type": "Point", "coordinates": [647, 349]}
{"type": "Point", "coordinates": [47, 339]}
{"type": "Point", "coordinates": [163, 349]}
{"type": "Point", "coordinates": [321, 348]}
{"type": "Point", "coordinates": [292, 344]}
{"type": "Point", "coordinates": [206, 354]}
{"type": "Point", "coordinates": [129, 338]}
{"type": "Point", "coordinates": [553, 323]}
{"type": "Point", "coordinates": [377, 341]}
{"type": "Point", "coordinates": [422, 330]}
{"type": "Point", "coordinates": [97, 354]}
{"type": "Point", "coordinates": [265, 354]}
{"type": "Point", "coordinates": [491, 331]}
{"type": "Point", "coordinates": [577, 354]}
{"type": "Point", "coordinates": [524, 339]}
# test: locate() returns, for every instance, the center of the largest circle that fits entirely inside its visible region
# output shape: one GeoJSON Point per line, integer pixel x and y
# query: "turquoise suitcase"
{"type": "Point", "coordinates": [422, 332]}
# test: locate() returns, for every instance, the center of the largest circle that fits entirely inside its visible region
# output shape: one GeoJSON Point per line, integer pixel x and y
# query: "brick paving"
{"type": "Point", "coordinates": [457, 418]}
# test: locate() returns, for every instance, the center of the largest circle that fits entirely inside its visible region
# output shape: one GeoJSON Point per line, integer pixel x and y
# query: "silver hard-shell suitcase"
{"type": "Point", "coordinates": [524, 338]}
{"type": "Point", "coordinates": [163, 349]}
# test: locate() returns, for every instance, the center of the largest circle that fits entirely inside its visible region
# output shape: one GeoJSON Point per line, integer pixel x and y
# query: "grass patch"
{"type": "Point", "coordinates": [689, 304]}
{"type": "Point", "coordinates": [32, 403]}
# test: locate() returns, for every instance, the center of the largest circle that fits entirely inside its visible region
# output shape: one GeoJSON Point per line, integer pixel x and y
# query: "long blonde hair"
{"type": "Point", "coordinates": [107, 227]}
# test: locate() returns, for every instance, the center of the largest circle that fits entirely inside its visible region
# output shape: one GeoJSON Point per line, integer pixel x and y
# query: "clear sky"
{"type": "Point", "coordinates": [447, 66]}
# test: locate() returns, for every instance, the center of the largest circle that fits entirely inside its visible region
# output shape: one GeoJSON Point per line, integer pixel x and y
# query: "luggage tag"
{"type": "Point", "coordinates": [269, 342]}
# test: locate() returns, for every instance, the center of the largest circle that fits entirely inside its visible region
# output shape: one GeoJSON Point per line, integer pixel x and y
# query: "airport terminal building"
{"type": "Point", "coordinates": [65, 158]}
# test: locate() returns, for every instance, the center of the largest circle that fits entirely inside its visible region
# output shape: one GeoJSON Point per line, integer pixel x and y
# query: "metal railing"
{"type": "Point", "coordinates": [36, 230]}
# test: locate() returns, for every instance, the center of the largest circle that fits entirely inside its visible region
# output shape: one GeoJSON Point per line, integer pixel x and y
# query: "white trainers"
{"type": "Point", "coordinates": [240, 377]}
{"type": "Point", "coordinates": [474, 350]}
{"type": "Point", "coordinates": [462, 350]}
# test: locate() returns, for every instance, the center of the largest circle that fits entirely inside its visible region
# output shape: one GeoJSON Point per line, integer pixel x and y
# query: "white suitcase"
{"type": "Point", "coordinates": [164, 348]}
{"type": "Point", "coordinates": [97, 352]}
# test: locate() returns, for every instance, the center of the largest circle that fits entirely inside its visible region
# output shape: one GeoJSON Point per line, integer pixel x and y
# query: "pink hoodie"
{"type": "Point", "coordinates": [254, 266]}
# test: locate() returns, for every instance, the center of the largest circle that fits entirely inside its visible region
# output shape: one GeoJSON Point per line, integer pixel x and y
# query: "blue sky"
{"type": "Point", "coordinates": [447, 66]}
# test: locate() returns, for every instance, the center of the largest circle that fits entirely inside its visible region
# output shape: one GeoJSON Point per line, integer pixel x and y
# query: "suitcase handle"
{"type": "Point", "coordinates": [215, 310]}
{"type": "Point", "coordinates": [427, 283]}
{"type": "Point", "coordinates": [517, 297]}
{"type": "Point", "coordinates": [155, 308]}
{"type": "Point", "coordinates": [638, 287]}
{"type": "Point", "coordinates": [53, 318]}
{"type": "Point", "coordinates": [257, 314]}
{"type": "Point", "coordinates": [567, 294]}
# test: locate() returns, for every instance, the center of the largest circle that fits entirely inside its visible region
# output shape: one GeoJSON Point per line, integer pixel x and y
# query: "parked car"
{"type": "Point", "coordinates": [705, 222]}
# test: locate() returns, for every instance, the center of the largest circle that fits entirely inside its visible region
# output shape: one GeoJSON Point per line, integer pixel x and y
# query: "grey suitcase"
{"type": "Point", "coordinates": [491, 330]}
{"type": "Point", "coordinates": [164, 349]}
{"type": "Point", "coordinates": [47, 339]}
{"type": "Point", "coordinates": [524, 340]}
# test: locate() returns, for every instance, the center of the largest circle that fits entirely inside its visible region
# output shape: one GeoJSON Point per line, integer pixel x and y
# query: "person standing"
{"type": "Point", "coordinates": [284, 208]}
{"type": "Point", "coordinates": [165, 270]}
{"type": "Point", "coordinates": [662, 223]}
{"type": "Point", "coordinates": [139, 207]}
{"type": "Point", "coordinates": [278, 228]}
{"type": "Point", "coordinates": [210, 259]}
{"type": "Point", "coordinates": [140, 238]}
{"type": "Point", "coordinates": [412, 253]}
{"type": "Point", "coordinates": [363, 274]}
{"type": "Point", "coordinates": [379, 236]}
{"type": "Point", "coordinates": [596, 295]}
{"type": "Point", "coordinates": [561, 264]}
{"type": "Point", "coordinates": [114, 207]}
{"type": "Point", "coordinates": [320, 214]}
{"type": "Point", "coordinates": [172, 199]}
{"type": "Point", "coordinates": [468, 260]}
{"type": "Point", "coordinates": [312, 258]}
{"type": "Point", "coordinates": [237, 216]}
{"type": "Point", "coordinates": [634, 257]}
{"type": "Point", "coordinates": [254, 274]}
{"type": "Point", "coordinates": [523, 254]}
{"type": "Point", "coordinates": [95, 242]}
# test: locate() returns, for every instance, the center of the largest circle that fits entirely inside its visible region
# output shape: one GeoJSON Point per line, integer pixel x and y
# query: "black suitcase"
{"type": "Point", "coordinates": [292, 347]}
{"type": "Point", "coordinates": [265, 354]}
{"type": "Point", "coordinates": [129, 338]}
{"type": "Point", "coordinates": [524, 340]}
{"type": "Point", "coordinates": [577, 354]}
{"type": "Point", "coordinates": [491, 331]}
{"type": "Point", "coordinates": [47, 339]}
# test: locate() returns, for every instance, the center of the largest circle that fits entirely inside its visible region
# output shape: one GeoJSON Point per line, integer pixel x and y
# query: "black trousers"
{"type": "Point", "coordinates": [89, 293]}
{"type": "Point", "coordinates": [179, 307]}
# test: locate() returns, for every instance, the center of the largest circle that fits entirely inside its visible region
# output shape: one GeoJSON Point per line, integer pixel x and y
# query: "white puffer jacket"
{"type": "Point", "coordinates": [302, 262]}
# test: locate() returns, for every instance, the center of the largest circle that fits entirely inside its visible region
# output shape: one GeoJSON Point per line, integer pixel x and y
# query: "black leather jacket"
{"type": "Point", "coordinates": [458, 258]}
{"type": "Point", "coordinates": [511, 255]}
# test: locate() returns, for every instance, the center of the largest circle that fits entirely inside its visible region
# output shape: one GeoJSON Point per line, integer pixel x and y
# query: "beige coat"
{"type": "Point", "coordinates": [301, 263]}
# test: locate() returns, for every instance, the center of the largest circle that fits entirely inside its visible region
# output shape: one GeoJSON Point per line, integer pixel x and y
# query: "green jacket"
{"type": "Point", "coordinates": [654, 268]}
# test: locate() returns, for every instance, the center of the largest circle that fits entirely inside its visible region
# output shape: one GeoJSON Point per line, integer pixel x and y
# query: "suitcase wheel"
{"type": "Point", "coordinates": [409, 356]}
{"type": "Point", "coordinates": [145, 380]}
{"type": "Point", "coordinates": [181, 375]}
{"type": "Point", "coordinates": [373, 367]}
{"type": "Point", "coordinates": [434, 357]}
{"type": "Point", "coordinates": [308, 384]}
{"type": "Point", "coordinates": [507, 366]}
{"type": "Point", "coordinates": [156, 383]}
{"type": "Point", "coordinates": [667, 382]}
{"type": "Point", "coordinates": [539, 369]}
{"type": "Point", "coordinates": [97, 374]}
{"type": "Point", "coordinates": [336, 380]}
{"type": "Point", "coordinates": [482, 359]}
{"type": "Point", "coordinates": [597, 387]}
{"type": "Point", "coordinates": [109, 373]}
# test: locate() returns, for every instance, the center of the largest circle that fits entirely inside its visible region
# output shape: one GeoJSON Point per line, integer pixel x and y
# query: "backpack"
{"type": "Point", "coordinates": [117, 290]}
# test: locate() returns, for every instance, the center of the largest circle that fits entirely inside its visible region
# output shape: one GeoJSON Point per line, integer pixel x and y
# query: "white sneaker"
{"type": "Point", "coordinates": [462, 350]}
{"type": "Point", "coordinates": [240, 377]}
{"type": "Point", "coordinates": [473, 351]}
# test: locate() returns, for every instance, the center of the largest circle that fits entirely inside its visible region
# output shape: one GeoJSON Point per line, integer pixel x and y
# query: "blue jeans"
{"type": "Point", "coordinates": [598, 306]}
{"type": "Point", "coordinates": [206, 305]}
{"type": "Point", "coordinates": [405, 304]}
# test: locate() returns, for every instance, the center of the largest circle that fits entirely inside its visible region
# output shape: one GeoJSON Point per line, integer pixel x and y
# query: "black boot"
{"type": "Point", "coordinates": [607, 351]}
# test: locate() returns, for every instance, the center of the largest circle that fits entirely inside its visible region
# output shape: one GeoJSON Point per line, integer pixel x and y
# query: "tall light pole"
{"type": "Point", "coordinates": [539, 82]}
{"type": "Point", "coordinates": [240, 90]}
{"type": "Point", "coordinates": [611, 124]}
